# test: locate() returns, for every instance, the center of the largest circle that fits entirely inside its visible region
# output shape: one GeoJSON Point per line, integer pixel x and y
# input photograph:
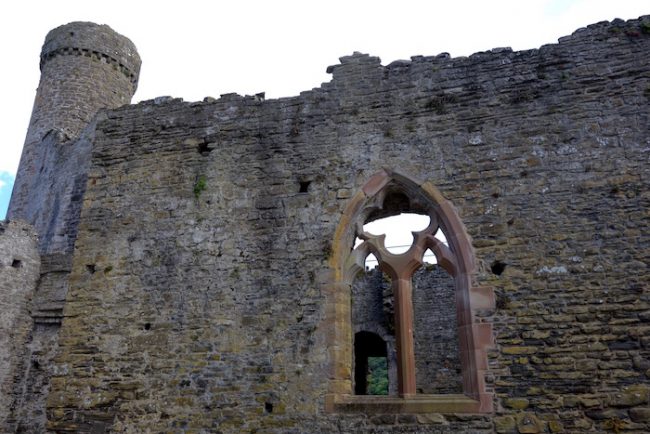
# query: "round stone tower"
{"type": "Point", "coordinates": [84, 67]}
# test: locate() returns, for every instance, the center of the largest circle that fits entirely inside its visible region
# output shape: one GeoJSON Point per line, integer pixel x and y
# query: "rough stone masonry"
{"type": "Point", "coordinates": [194, 266]}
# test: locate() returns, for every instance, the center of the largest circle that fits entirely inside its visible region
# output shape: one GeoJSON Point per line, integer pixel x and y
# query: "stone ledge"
{"type": "Point", "coordinates": [343, 403]}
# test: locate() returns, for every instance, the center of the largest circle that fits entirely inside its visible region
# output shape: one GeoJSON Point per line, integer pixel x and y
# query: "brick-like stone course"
{"type": "Point", "coordinates": [197, 300]}
{"type": "Point", "coordinates": [19, 272]}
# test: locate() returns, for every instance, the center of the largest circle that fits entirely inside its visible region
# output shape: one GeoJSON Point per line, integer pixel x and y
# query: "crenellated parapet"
{"type": "Point", "coordinates": [97, 42]}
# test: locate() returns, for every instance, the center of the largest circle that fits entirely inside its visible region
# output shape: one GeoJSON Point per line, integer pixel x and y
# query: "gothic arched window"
{"type": "Point", "coordinates": [393, 320]}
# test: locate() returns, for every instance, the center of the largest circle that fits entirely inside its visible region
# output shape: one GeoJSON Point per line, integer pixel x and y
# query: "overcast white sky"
{"type": "Point", "coordinates": [192, 49]}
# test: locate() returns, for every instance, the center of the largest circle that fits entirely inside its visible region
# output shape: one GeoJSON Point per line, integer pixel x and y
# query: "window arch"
{"type": "Point", "coordinates": [389, 193]}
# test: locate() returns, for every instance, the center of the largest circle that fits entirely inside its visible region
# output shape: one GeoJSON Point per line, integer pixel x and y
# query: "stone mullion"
{"type": "Point", "coordinates": [402, 289]}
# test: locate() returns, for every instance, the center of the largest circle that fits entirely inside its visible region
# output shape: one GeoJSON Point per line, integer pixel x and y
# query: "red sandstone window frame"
{"type": "Point", "coordinates": [475, 337]}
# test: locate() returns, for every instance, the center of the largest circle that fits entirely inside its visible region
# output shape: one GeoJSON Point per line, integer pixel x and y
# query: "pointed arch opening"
{"type": "Point", "coordinates": [432, 291]}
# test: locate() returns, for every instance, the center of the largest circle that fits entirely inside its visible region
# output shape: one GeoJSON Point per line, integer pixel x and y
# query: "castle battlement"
{"type": "Point", "coordinates": [92, 40]}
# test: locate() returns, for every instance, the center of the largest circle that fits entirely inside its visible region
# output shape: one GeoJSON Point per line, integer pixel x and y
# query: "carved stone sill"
{"type": "Point", "coordinates": [340, 403]}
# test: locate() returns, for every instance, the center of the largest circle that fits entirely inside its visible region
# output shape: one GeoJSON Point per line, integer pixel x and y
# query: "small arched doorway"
{"type": "Point", "coordinates": [369, 350]}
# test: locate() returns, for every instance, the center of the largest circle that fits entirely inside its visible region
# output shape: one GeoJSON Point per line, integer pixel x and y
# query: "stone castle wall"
{"type": "Point", "coordinates": [19, 272]}
{"type": "Point", "coordinates": [435, 332]}
{"type": "Point", "coordinates": [198, 291]}
{"type": "Point", "coordinates": [198, 296]}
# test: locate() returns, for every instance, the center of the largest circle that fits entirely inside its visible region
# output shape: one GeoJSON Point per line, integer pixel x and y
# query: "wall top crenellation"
{"type": "Point", "coordinates": [90, 39]}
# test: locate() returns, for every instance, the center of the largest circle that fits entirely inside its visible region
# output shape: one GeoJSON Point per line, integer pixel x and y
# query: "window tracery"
{"type": "Point", "coordinates": [388, 193]}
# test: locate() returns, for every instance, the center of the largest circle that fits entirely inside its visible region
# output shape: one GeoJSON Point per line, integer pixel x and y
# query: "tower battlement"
{"type": "Point", "coordinates": [99, 42]}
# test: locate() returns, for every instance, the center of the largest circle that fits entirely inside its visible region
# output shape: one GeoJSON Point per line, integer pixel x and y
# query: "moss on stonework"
{"type": "Point", "coordinates": [199, 186]}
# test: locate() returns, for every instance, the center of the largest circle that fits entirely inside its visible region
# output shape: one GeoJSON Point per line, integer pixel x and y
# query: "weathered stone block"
{"type": "Point", "coordinates": [640, 415]}
{"type": "Point", "coordinates": [516, 403]}
{"type": "Point", "coordinates": [505, 424]}
{"type": "Point", "coordinates": [630, 396]}
{"type": "Point", "coordinates": [529, 423]}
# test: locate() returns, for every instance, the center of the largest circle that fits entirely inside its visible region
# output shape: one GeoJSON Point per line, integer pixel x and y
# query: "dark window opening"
{"type": "Point", "coordinates": [205, 148]}
{"type": "Point", "coordinates": [16, 263]}
{"type": "Point", "coordinates": [498, 267]}
{"type": "Point", "coordinates": [304, 186]}
{"type": "Point", "coordinates": [370, 364]}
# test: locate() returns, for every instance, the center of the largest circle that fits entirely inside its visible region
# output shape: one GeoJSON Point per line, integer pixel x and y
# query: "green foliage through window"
{"type": "Point", "coordinates": [377, 376]}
